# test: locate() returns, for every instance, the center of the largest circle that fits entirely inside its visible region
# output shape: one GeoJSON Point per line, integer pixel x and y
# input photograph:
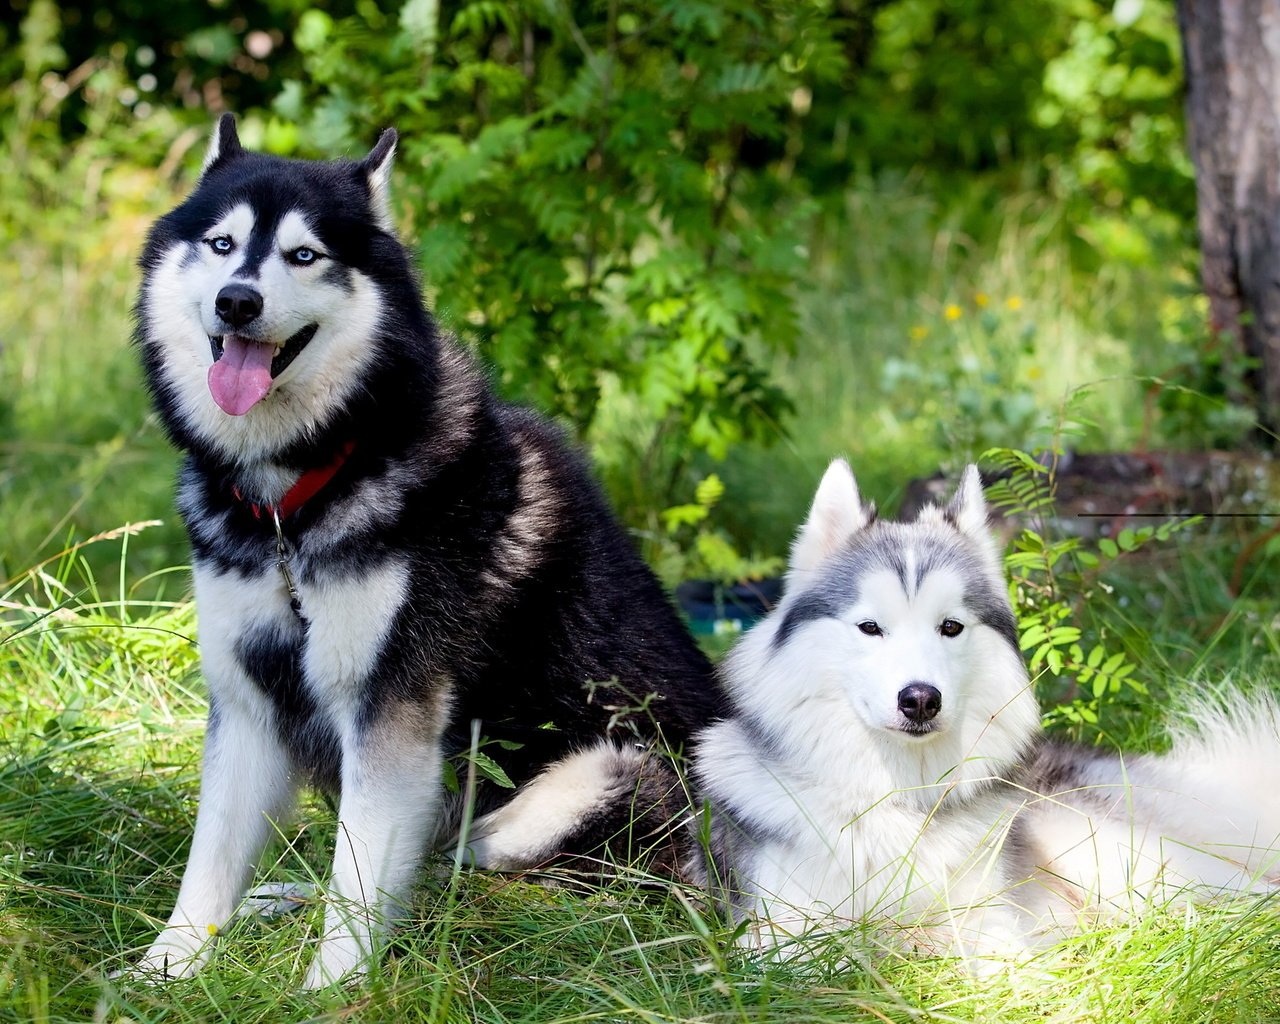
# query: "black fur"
{"type": "Point", "coordinates": [518, 656]}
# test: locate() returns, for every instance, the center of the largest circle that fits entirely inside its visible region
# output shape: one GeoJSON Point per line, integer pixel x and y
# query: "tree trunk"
{"type": "Point", "coordinates": [1232, 58]}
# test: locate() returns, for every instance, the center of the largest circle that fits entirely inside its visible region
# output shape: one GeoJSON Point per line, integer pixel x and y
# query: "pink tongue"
{"type": "Point", "coordinates": [242, 377]}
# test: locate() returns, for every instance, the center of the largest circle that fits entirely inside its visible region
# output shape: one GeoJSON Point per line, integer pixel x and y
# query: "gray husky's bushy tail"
{"type": "Point", "coordinates": [1219, 784]}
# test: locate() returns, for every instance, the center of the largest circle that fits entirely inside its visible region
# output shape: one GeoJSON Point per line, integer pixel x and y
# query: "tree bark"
{"type": "Point", "coordinates": [1232, 58]}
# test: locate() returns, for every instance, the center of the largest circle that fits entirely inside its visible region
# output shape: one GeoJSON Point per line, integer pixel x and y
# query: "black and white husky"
{"type": "Point", "coordinates": [384, 554]}
{"type": "Point", "coordinates": [882, 763]}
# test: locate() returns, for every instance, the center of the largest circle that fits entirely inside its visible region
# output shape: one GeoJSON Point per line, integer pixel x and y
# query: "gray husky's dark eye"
{"type": "Point", "coordinates": [871, 628]}
{"type": "Point", "coordinates": [950, 627]}
{"type": "Point", "coordinates": [301, 256]}
{"type": "Point", "coordinates": [221, 245]}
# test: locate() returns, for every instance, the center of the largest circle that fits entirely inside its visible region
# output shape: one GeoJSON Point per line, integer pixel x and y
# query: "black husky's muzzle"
{"type": "Point", "coordinates": [288, 353]}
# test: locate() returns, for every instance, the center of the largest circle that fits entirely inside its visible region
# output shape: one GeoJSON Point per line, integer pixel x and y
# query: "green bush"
{"type": "Point", "coordinates": [582, 193]}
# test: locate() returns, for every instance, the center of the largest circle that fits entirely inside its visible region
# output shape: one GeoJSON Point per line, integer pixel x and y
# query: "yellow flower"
{"type": "Point", "coordinates": [1034, 373]}
{"type": "Point", "coordinates": [1013, 302]}
{"type": "Point", "coordinates": [919, 332]}
{"type": "Point", "coordinates": [981, 300]}
{"type": "Point", "coordinates": [953, 312]}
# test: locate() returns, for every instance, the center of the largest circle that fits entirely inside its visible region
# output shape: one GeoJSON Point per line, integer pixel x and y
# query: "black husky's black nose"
{"type": "Point", "coordinates": [919, 701]}
{"type": "Point", "coordinates": [238, 304]}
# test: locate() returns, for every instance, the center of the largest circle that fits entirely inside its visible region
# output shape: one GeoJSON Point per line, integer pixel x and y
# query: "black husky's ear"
{"type": "Point", "coordinates": [224, 143]}
{"type": "Point", "coordinates": [377, 172]}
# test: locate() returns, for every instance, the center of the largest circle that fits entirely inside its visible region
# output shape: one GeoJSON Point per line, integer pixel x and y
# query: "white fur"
{"type": "Point", "coordinates": [529, 828]}
{"type": "Point", "coordinates": [349, 619]}
{"type": "Point", "coordinates": [390, 780]}
{"type": "Point", "coordinates": [845, 819]}
{"type": "Point", "coordinates": [246, 779]}
{"type": "Point", "coordinates": [390, 776]}
{"type": "Point", "coordinates": [390, 798]}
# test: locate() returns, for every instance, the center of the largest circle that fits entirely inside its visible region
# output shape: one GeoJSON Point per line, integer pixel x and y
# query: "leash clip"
{"type": "Point", "coordinates": [282, 563]}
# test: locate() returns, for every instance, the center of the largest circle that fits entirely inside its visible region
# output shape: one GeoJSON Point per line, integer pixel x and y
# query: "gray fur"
{"type": "Point", "coordinates": [885, 545]}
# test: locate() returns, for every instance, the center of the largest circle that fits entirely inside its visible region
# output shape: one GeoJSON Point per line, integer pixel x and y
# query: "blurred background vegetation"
{"type": "Point", "coordinates": [725, 236]}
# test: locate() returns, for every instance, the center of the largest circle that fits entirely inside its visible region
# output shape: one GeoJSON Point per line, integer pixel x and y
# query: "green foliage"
{"type": "Point", "coordinates": [575, 183]}
{"type": "Point", "coordinates": [613, 205]}
{"type": "Point", "coordinates": [1057, 590]}
{"type": "Point", "coordinates": [947, 82]}
{"type": "Point", "coordinates": [1093, 88]}
{"type": "Point", "coordinates": [690, 548]}
{"type": "Point", "coordinates": [1113, 94]}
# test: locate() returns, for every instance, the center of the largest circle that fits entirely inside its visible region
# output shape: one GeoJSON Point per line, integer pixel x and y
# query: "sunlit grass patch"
{"type": "Point", "coordinates": [937, 328]}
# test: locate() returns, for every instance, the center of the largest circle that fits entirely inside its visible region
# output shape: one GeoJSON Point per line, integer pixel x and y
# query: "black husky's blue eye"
{"type": "Point", "coordinates": [221, 245]}
{"type": "Point", "coordinates": [950, 627]}
{"type": "Point", "coordinates": [302, 256]}
{"type": "Point", "coordinates": [871, 628]}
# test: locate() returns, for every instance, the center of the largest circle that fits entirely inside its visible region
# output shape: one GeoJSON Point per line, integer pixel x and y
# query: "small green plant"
{"type": "Point", "coordinates": [690, 548]}
{"type": "Point", "coordinates": [475, 759]}
{"type": "Point", "coordinates": [1076, 659]}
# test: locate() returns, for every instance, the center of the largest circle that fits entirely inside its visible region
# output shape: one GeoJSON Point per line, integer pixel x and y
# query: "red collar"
{"type": "Point", "coordinates": [307, 487]}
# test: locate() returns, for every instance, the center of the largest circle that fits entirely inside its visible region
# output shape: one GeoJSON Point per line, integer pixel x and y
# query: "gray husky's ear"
{"type": "Point", "coordinates": [836, 515]}
{"type": "Point", "coordinates": [224, 143]}
{"type": "Point", "coordinates": [377, 172]}
{"type": "Point", "coordinates": [967, 510]}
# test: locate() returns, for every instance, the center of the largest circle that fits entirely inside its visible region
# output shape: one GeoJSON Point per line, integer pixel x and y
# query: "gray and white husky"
{"type": "Point", "coordinates": [385, 555]}
{"type": "Point", "coordinates": [882, 763]}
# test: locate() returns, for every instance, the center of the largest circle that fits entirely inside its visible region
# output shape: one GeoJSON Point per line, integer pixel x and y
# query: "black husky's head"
{"type": "Point", "coordinates": [266, 297]}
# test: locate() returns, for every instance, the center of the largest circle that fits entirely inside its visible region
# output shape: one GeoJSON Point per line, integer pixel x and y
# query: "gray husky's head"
{"type": "Point", "coordinates": [899, 632]}
{"type": "Point", "coordinates": [264, 294]}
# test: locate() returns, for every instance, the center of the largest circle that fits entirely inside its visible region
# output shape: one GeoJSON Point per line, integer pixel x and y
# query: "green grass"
{"type": "Point", "coordinates": [79, 450]}
{"type": "Point", "coordinates": [101, 726]}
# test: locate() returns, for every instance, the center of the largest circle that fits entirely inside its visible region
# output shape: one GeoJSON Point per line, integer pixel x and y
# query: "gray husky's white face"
{"type": "Point", "coordinates": [908, 652]}
{"type": "Point", "coordinates": [908, 622]}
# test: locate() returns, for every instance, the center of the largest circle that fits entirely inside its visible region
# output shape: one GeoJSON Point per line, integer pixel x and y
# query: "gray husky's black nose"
{"type": "Point", "coordinates": [238, 304]}
{"type": "Point", "coordinates": [919, 701]}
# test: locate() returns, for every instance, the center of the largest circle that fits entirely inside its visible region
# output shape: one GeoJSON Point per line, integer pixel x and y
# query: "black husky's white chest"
{"type": "Point", "coordinates": [314, 663]}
